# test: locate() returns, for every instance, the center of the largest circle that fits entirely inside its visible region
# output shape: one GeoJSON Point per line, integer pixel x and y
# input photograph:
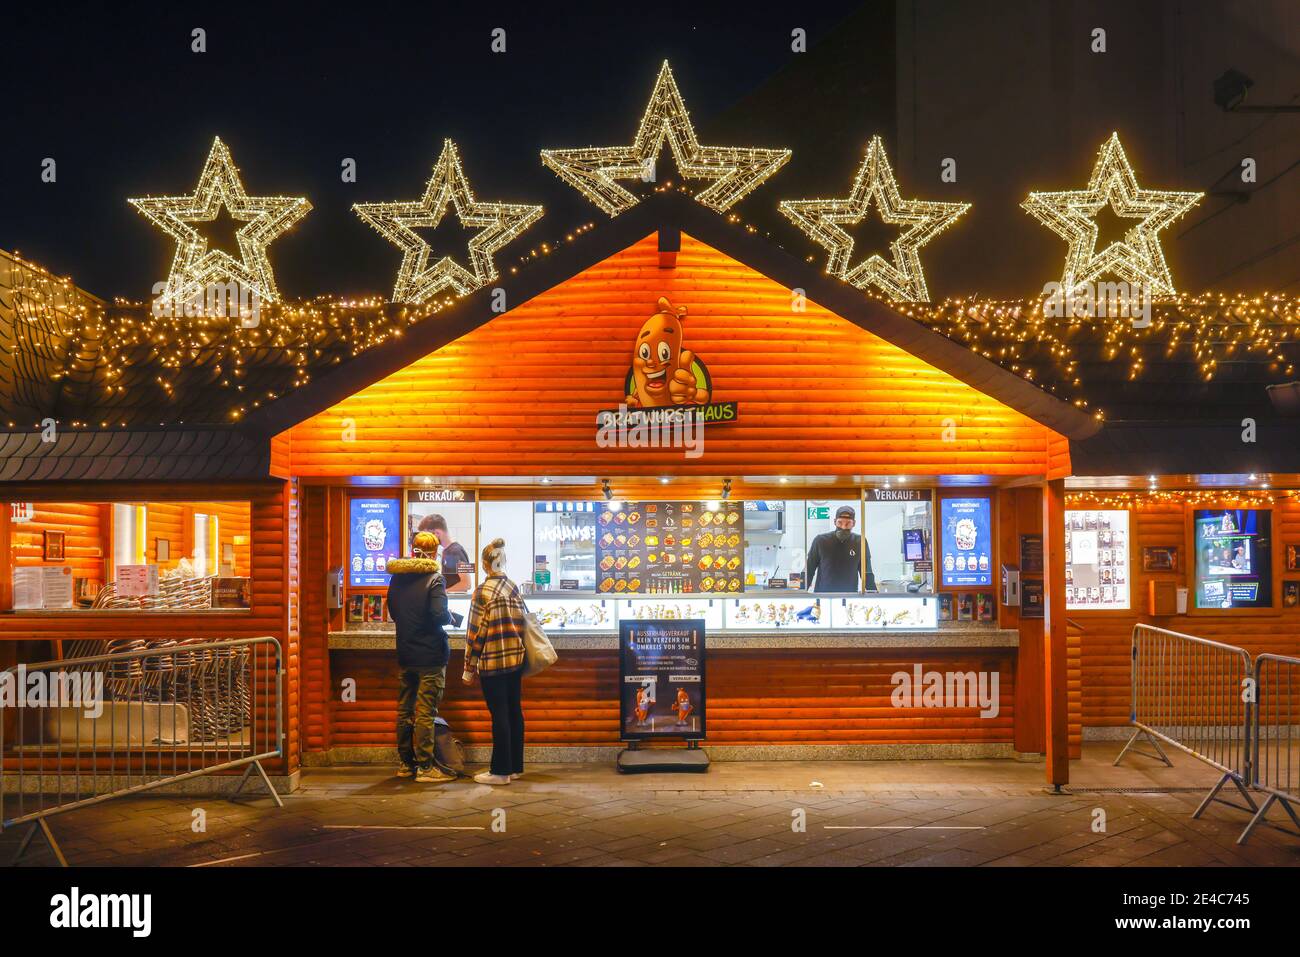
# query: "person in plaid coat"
{"type": "Point", "coordinates": [494, 650]}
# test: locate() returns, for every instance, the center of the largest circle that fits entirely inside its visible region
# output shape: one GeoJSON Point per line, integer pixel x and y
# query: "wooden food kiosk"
{"type": "Point", "coordinates": [1014, 534]}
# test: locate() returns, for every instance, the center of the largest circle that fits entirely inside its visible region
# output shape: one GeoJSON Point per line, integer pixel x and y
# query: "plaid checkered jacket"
{"type": "Point", "coordinates": [494, 638]}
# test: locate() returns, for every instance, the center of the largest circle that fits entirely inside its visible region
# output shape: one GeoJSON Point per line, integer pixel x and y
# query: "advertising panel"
{"type": "Point", "coordinates": [374, 536]}
{"type": "Point", "coordinates": [1234, 557]}
{"type": "Point", "coordinates": [967, 541]}
{"type": "Point", "coordinates": [661, 679]}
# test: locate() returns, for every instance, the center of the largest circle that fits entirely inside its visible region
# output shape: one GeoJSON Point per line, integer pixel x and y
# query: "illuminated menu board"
{"type": "Point", "coordinates": [1096, 559]}
{"type": "Point", "coordinates": [967, 541]}
{"type": "Point", "coordinates": [657, 548]}
{"type": "Point", "coordinates": [1234, 565]}
{"type": "Point", "coordinates": [374, 536]}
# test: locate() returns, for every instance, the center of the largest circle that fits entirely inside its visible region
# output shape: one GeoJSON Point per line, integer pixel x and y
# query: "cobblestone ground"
{"type": "Point", "coordinates": [973, 813]}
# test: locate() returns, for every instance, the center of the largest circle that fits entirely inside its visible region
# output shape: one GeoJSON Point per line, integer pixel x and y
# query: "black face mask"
{"type": "Point", "coordinates": [844, 534]}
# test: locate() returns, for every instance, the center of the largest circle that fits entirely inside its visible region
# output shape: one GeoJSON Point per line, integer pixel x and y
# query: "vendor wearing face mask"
{"type": "Point", "coordinates": [833, 562]}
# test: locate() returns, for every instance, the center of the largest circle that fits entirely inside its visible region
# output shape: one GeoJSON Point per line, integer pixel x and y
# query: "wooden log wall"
{"type": "Point", "coordinates": [272, 564]}
{"type": "Point", "coordinates": [1105, 637]}
{"type": "Point", "coordinates": [87, 527]}
{"type": "Point", "coordinates": [755, 697]}
{"type": "Point", "coordinates": [817, 394]}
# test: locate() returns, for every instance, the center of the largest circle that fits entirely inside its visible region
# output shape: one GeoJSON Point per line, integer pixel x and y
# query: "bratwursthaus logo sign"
{"type": "Point", "coordinates": [667, 393]}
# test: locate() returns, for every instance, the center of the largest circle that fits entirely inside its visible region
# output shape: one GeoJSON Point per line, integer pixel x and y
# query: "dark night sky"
{"type": "Point", "coordinates": [126, 109]}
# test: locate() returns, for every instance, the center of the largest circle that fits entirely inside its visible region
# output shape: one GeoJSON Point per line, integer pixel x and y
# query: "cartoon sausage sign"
{"type": "Point", "coordinates": [663, 373]}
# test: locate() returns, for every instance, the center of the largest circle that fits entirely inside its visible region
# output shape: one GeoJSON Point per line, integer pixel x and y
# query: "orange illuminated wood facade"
{"type": "Point", "coordinates": [517, 396]}
{"type": "Point", "coordinates": [817, 394]}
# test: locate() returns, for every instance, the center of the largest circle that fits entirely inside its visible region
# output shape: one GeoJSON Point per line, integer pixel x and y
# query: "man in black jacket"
{"type": "Point", "coordinates": [417, 602]}
{"type": "Point", "coordinates": [833, 557]}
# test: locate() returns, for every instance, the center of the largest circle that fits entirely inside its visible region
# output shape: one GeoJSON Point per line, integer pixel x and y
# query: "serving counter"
{"type": "Point", "coordinates": [377, 637]}
{"type": "Point", "coordinates": [780, 686]}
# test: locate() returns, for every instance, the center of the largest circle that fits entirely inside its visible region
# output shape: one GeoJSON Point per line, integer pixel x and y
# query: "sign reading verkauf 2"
{"type": "Point", "coordinates": [661, 679]}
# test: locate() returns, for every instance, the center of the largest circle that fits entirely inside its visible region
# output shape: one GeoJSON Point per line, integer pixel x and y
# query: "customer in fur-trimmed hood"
{"type": "Point", "coordinates": [417, 603]}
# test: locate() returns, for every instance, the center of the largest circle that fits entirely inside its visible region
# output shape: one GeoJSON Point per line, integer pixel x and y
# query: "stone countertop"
{"type": "Point", "coordinates": [372, 638]}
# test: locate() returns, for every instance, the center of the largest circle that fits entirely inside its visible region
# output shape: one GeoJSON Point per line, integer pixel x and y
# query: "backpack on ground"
{"type": "Point", "coordinates": [448, 752]}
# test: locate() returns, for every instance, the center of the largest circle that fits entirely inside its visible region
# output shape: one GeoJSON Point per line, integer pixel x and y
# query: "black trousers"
{"type": "Point", "coordinates": [504, 697]}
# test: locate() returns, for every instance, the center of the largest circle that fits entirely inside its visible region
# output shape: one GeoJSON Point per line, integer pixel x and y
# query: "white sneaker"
{"type": "Point", "coordinates": [487, 777]}
{"type": "Point", "coordinates": [516, 776]}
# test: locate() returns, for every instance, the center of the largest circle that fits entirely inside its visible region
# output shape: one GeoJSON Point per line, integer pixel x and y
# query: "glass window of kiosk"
{"type": "Point", "coordinates": [455, 523]}
{"type": "Point", "coordinates": [512, 522]}
{"type": "Point", "coordinates": [776, 543]}
{"type": "Point", "coordinates": [1234, 557]}
{"type": "Point", "coordinates": [131, 556]}
{"type": "Point", "coordinates": [842, 559]}
{"type": "Point", "coordinates": [1096, 559]}
{"type": "Point", "coordinates": [564, 546]}
{"type": "Point", "coordinates": [900, 545]}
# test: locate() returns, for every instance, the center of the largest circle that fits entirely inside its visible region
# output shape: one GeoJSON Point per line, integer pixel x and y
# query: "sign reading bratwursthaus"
{"type": "Point", "coordinates": [667, 388]}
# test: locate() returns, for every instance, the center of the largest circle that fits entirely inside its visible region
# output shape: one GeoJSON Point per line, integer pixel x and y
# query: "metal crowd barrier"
{"type": "Point", "coordinates": [91, 728]}
{"type": "Point", "coordinates": [1192, 694]}
{"type": "Point", "coordinates": [1276, 737]}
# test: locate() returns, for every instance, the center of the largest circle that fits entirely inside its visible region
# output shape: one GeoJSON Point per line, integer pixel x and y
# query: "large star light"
{"type": "Point", "coordinates": [735, 171]}
{"type": "Point", "coordinates": [821, 219]}
{"type": "Point", "coordinates": [196, 268]}
{"type": "Point", "coordinates": [1137, 258]}
{"type": "Point", "coordinates": [417, 281]}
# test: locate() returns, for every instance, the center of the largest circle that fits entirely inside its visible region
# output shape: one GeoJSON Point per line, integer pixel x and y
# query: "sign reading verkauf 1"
{"type": "Point", "coordinates": [661, 679]}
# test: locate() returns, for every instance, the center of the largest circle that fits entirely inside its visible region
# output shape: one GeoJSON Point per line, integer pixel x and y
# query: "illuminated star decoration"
{"type": "Point", "coordinates": [1136, 259]}
{"type": "Point", "coordinates": [195, 267]}
{"type": "Point", "coordinates": [902, 280]}
{"type": "Point", "coordinates": [735, 171]}
{"type": "Point", "coordinates": [417, 281]}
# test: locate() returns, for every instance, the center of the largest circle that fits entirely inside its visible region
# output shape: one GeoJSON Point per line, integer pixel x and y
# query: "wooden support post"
{"type": "Point", "coordinates": [1056, 684]}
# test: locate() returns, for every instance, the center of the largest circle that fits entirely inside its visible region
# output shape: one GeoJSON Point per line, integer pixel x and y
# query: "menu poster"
{"type": "Point", "coordinates": [1032, 598]}
{"type": "Point", "coordinates": [136, 581]}
{"type": "Point", "coordinates": [374, 537]}
{"type": "Point", "coordinates": [655, 548]}
{"type": "Point", "coordinates": [43, 586]}
{"type": "Point", "coordinates": [1096, 559]}
{"type": "Point", "coordinates": [661, 679]}
{"type": "Point", "coordinates": [1233, 554]}
{"type": "Point", "coordinates": [229, 592]}
{"type": "Point", "coordinates": [1031, 554]}
{"type": "Point", "coordinates": [967, 541]}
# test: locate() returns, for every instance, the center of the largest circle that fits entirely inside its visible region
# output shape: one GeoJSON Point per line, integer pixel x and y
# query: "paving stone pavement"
{"type": "Point", "coordinates": [904, 813]}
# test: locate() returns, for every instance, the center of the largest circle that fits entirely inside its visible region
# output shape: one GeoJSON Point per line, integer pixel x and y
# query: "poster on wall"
{"type": "Point", "coordinates": [1234, 557]}
{"type": "Point", "coordinates": [1096, 559]}
{"type": "Point", "coordinates": [374, 536]}
{"type": "Point", "coordinates": [661, 679]}
{"type": "Point", "coordinates": [657, 548]}
{"type": "Point", "coordinates": [967, 541]}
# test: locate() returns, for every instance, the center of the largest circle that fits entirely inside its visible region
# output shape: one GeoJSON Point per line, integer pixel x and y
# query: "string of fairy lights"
{"type": "Point", "coordinates": [1174, 498]}
{"type": "Point", "coordinates": [176, 333]}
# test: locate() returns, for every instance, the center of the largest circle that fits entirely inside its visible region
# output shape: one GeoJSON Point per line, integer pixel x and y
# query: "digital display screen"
{"type": "Point", "coordinates": [374, 536]}
{"type": "Point", "coordinates": [913, 545]}
{"type": "Point", "coordinates": [967, 542]}
{"type": "Point", "coordinates": [1234, 553]}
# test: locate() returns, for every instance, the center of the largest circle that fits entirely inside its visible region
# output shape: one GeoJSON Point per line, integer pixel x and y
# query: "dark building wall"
{"type": "Point", "coordinates": [1013, 92]}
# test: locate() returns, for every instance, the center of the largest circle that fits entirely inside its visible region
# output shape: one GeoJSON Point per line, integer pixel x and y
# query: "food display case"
{"type": "Point", "coordinates": [586, 613]}
{"type": "Point", "coordinates": [797, 611]}
{"type": "Point", "coordinates": [673, 608]}
{"type": "Point", "coordinates": [794, 611]}
{"type": "Point", "coordinates": [885, 611]}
